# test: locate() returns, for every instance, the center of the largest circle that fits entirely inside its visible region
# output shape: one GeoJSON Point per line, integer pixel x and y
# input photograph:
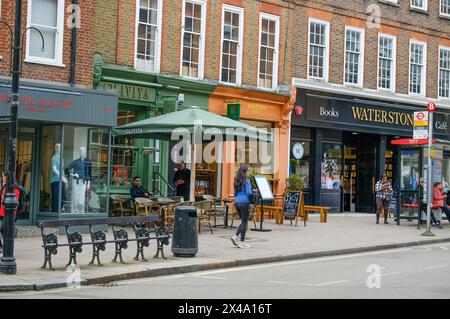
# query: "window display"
{"type": "Point", "coordinates": [331, 166]}
{"type": "Point", "coordinates": [80, 171]}
{"type": "Point", "coordinates": [55, 178]}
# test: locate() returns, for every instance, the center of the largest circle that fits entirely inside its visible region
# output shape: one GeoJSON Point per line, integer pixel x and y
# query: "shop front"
{"type": "Point", "coordinates": [59, 163]}
{"type": "Point", "coordinates": [341, 145]}
{"type": "Point", "coordinates": [266, 111]}
{"type": "Point", "coordinates": [141, 96]}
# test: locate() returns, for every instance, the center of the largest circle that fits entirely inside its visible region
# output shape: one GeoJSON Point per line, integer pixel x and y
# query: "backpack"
{"type": "Point", "coordinates": [22, 198]}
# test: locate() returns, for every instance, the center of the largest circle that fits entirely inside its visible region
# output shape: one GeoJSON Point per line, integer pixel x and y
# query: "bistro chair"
{"type": "Point", "coordinates": [217, 210]}
{"type": "Point", "coordinates": [170, 213]}
{"type": "Point", "coordinates": [204, 209]}
{"type": "Point", "coordinates": [120, 205]}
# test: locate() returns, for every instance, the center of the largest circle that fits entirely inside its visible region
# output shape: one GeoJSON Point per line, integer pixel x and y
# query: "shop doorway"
{"type": "Point", "coordinates": [359, 172]}
{"type": "Point", "coordinates": [24, 169]}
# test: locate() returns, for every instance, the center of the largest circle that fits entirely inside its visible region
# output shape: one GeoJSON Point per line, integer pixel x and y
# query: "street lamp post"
{"type": "Point", "coordinates": [8, 262]}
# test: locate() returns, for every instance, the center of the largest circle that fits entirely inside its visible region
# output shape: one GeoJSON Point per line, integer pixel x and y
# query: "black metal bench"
{"type": "Point", "coordinates": [75, 242]}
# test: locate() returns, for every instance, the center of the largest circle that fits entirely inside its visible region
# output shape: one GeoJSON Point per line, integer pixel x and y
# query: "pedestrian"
{"type": "Point", "coordinates": [137, 190]}
{"type": "Point", "coordinates": [242, 194]}
{"type": "Point", "coordinates": [6, 177]}
{"type": "Point", "coordinates": [182, 181]}
{"type": "Point", "coordinates": [423, 205]}
{"type": "Point", "coordinates": [384, 192]}
{"type": "Point", "coordinates": [438, 201]}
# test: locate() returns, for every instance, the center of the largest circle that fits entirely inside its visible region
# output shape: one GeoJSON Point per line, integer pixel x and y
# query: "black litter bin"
{"type": "Point", "coordinates": [185, 237]}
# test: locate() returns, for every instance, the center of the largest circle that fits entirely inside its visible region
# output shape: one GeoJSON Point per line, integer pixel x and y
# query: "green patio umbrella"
{"type": "Point", "coordinates": [161, 127]}
{"type": "Point", "coordinates": [191, 120]}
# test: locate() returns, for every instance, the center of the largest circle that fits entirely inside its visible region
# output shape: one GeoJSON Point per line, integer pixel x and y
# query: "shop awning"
{"type": "Point", "coordinates": [170, 126]}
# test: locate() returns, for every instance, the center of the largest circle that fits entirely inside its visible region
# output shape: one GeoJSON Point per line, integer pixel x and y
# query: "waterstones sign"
{"type": "Point", "coordinates": [346, 114]}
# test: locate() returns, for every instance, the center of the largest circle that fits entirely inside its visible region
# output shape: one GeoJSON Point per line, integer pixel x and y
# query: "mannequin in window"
{"type": "Point", "coordinates": [55, 165]}
{"type": "Point", "coordinates": [80, 170]}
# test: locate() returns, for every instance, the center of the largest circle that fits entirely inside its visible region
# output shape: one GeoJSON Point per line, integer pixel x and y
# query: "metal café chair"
{"type": "Point", "coordinates": [217, 210]}
{"type": "Point", "coordinates": [204, 208]}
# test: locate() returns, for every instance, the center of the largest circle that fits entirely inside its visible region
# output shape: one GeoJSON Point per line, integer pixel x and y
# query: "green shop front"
{"type": "Point", "coordinates": [59, 128]}
{"type": "Point", "coordinates": [141, 96]}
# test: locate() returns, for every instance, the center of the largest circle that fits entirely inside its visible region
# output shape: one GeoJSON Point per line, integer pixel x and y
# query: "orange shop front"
{"type": "Point", "coordinates": [263, 110]}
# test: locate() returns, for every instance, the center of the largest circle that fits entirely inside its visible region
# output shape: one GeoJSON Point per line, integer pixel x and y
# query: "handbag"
{"type": "Point", "coordinates": [254, 197]}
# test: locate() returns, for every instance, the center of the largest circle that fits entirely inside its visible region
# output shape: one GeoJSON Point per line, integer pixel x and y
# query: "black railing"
{"type": "Point", "coordinates": [171, 191]}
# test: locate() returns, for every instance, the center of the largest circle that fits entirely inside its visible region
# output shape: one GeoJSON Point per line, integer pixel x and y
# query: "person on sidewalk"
{"type": "Point", "coordinates": [182, 180]}
{"type": "Point", "coordinates": [384, 194]}
{"type": "Point", "coordinates": [137, 190]}
{"type": "Point", "coordinates": [6, 177]}
{"type": "Point", "coordinates": [242, 193]}
{"type": "Point", "coordinates": [438, 201]}
{"type": "Point", "coordinates": [423, 205]}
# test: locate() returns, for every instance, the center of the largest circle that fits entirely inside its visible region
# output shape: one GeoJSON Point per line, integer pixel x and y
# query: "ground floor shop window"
{"type": "Point", "coordinates": [331, 166]}
{"type": "Point", "coordinates": [74, 170]}
{"type": "Point", "coordinates": [206, 172]}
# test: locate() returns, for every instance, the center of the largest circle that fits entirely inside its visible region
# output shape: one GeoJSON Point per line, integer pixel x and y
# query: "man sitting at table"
{"type": "Point", "coordinates": [137, 190]}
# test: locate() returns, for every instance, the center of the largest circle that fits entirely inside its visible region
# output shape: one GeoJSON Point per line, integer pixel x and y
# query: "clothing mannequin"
{"type": "Point", "coordinates": [55, 163]}
{"type": "Point", "coordinates": [81, 180]}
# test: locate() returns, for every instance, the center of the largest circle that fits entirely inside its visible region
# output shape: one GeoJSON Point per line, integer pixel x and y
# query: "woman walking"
{"type": "Point", "coordinates": [242, 193]}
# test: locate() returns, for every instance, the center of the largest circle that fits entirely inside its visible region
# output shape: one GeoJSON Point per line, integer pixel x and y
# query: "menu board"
{"type": "Point", "coordinates": [291, 204]}
{"type": "Point", "coordinates": [264, 188]}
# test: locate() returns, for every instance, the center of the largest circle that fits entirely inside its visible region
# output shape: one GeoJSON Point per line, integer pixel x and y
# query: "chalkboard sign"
{"type": "Point", "coordinates": [292, 203]}
{"type": "Point", "coordinates": [393, 205]}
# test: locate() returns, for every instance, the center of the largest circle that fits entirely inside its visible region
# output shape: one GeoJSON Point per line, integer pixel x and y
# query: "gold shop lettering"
{"type": "Point", "coordinates": [129, 91]}
{"type": "Point", "coordinates": [381, 116]}
{"type": "Point", "coordinates": [255, 107]}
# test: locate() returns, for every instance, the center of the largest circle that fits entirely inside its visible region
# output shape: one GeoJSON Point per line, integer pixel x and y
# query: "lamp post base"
{"type": "Point", "coordinates": [428, 233]}
{"type": "Point", "coordinates": [8, 266]}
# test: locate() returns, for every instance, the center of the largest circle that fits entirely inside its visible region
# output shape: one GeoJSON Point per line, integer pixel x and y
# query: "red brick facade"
{"type": "Point", "coordinates": [120, 50]}
{"type": "Point", "coordinates": [85, 46]}
{"type": "Point", "coordinates": [399, 20]}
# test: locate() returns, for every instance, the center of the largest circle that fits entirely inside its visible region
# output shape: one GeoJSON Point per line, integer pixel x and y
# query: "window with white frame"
{"type": "Point", "coordinates": [269, 33]}
{"type": "Point", "coordinates": [386, 62]}
{"type": "Point", "coordinates": [354, 56]}
{"type": "Point", "coordinates": [417, 65]}
{"type": "Point", "coordinates": [445, 7]}
{"type": "Point", "coordinates": [193, 37]}
{"type": "Point", "coordinates": [232, 38]}
{"type": "Point", "coordinates": [318, 49]}
{"type": "Point", "coordinates": [149, 19]}
{"type": "Point", "coordinates": [444, 72]}
{"type": "Point", "coordinates": [419, 4]}
{"type": "Point", "coordinates": [48, 17]}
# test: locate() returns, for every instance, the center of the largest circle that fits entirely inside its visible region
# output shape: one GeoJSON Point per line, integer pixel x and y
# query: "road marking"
{"type": "Point", "coordinates": [437, 266]}
{"type": "Point", "coordinates": [276, 282]}
{"type": "Point", "coordinates": [331, 283]}
{"type": "Point", "coordinates": [305, 261]}
{"type": "Point", "coordinates": [208, 277]}
{"type": "Point", "coordinates": [444, 248]}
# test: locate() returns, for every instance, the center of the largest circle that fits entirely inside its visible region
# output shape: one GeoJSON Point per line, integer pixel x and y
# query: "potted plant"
{"type": "Point", "coordinates": [295, 183]}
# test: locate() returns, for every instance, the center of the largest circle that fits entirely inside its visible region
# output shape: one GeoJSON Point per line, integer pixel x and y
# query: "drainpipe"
{"type": "Point", "coordinates": [73, 64]}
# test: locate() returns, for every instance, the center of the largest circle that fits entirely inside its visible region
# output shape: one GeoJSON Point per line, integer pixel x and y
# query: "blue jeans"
{"type": "Point", "coordinates": [446, 211]}
{"type": "Point", "coordinates": [244, 213]}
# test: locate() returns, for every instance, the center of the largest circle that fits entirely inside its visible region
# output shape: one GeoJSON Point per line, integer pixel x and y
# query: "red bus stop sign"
{"type": "Point", "coordinates": [431, 107]}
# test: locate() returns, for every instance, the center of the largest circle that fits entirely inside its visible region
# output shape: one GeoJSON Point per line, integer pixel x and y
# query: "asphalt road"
{"type": "Point", "coordinates": [416, 272]}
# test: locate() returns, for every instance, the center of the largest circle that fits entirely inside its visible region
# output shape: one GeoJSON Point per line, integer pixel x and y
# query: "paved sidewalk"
{"type": "Point", "coordinates": [342, 234]}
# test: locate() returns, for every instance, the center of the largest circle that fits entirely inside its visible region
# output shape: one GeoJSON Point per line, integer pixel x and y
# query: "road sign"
{"type": "Point", "coordinates": [420, 134]}
{"type": "Point", "coordinates": [411, 141]}
{"type": "Point", "coordinates": [421, 119]}
{"type": "Point", "coordinates": [431, 107]}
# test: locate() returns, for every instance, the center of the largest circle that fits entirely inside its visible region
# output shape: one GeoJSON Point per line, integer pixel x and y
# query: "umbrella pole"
{"type": "Point", "coordinates": [192, 186]}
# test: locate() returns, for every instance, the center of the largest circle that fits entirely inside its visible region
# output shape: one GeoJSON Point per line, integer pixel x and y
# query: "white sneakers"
{"type": "Point", "coordinates": [234, 239]}
{"type": "Point", "coordinates": [240, 244]}
{"type": "Point", "coordinates": [243, 245]}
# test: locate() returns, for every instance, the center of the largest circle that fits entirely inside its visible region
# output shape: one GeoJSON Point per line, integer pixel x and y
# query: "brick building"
{"type": "Point", "coordinates": [364, 67]}
{"type": "Point", "coordinates": [204, 53]}
{"type": "Point", "coordinates": [60, 116]}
